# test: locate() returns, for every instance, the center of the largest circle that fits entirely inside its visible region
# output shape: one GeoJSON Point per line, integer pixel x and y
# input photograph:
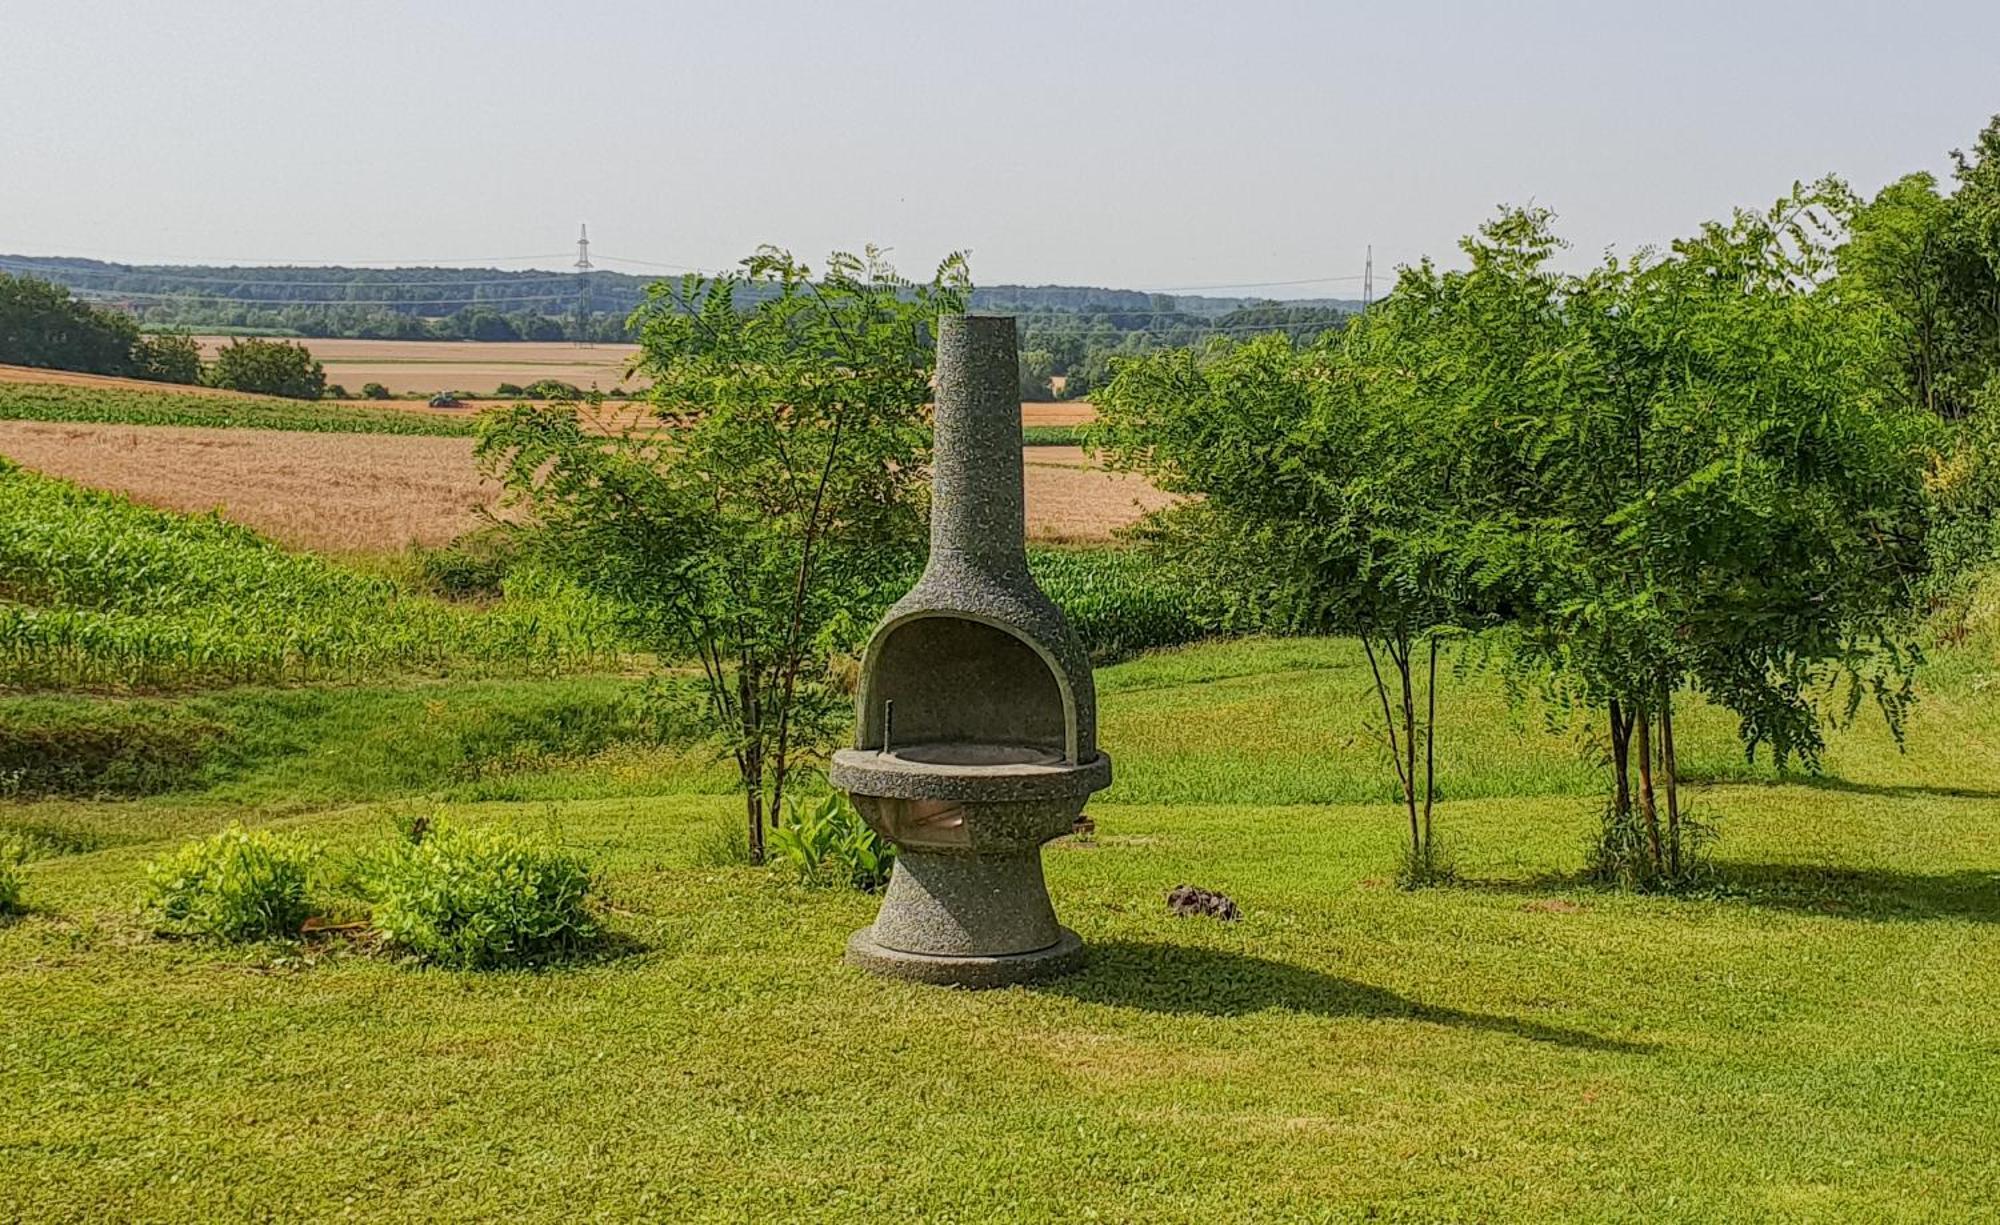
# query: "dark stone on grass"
{"type": "Point", "coordinates": [1190, 902]}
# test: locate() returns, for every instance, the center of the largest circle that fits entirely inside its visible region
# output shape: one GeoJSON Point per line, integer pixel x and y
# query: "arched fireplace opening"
{"type": "Point", "coordinates": [954, 690]}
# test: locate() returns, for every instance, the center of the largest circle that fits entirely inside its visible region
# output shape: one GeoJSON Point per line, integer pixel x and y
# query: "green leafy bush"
{"type": "Point", "coordinates": [552, 389]}
{"type": "Point", "coordinates": [374, 391]}
{"type": "Point", "coordinates": [826, 844]}
{"type": "Point", "coordinates": [238, 885]}
{"type": "Point", "coordinates": [481, 898]}
{"type": "Point", "coordinates": [168, 357]}
{"type": "Point", "coordinates": [473, 566]}
{"type": "Point", "coordinates": [268, 367]}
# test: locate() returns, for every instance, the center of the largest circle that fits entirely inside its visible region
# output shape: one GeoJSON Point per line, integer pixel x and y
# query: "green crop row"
{"type": "Point", "coordinates": [122, 406]}
{"type": "Point", "coordinates": [1119, 601]}
{"type": "Point", "coordinates": [97, 592]}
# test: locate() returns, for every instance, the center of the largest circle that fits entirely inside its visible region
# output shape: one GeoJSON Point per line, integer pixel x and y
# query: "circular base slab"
{"type": "Point", "coordinates": [1065, 955]}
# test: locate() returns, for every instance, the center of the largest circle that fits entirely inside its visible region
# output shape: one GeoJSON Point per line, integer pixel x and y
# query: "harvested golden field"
{"type": "Point", "coordinates": [354, 493]}
{"type": "Point", "coordinates": [1060, 412]}
{"type": "Point", "coordinates": [1072, 499]}
{"type": "Point", "coordinates": [342, 493]}
{"type": "Point", "coordinates": [431, 366]}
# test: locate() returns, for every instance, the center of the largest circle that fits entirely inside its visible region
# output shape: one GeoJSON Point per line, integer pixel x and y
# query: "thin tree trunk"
{"type": "Point", "coordinates": [1647, 808]}
{"type": "Point", "coordinates": [1430, 740]}
{"type": "Point", "coordinates": [1621, 761]}
{"type": "Point", "coordinates": [1671, 768]}
{"type": "Point", "coordinates": [1388, 719]}
{"type": "Point", "coordinates": [1402, 659]}
{"type": "Point", "coordinates": [753, 800]}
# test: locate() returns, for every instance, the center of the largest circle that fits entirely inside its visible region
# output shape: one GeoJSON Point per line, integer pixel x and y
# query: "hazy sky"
{"type": "Point", "coordinates": [1151, 145]}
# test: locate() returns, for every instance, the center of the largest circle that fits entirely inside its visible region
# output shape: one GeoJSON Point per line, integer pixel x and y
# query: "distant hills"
{"type": "Point", "coordinates": [192, 292]}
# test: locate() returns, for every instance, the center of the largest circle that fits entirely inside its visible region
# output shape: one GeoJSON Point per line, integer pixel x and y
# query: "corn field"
{"type": "Point", "coordinates": [99, 593]}
{"type": "Point", "coordinates": [60, 402]}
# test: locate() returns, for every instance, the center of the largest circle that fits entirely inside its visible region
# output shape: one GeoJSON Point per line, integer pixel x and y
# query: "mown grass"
{"type": "Point", "coordinates": [58, 402]}
{"type": "Point", "coordinates": [98, 592]}
{"type": "Point", "coordinates": [1814, 1039]}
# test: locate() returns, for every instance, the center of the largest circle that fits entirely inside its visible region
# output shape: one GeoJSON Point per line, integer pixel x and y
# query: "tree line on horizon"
{"type": "Point", "coordinates": [1070, 334]}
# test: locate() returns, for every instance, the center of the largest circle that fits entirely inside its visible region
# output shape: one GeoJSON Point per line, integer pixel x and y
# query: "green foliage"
{"type": "Point", "coordinates": [1037, 368]}
{"type": "Point", "coordinates": [473, 566]}
{"type": "Point", "coordinates": [1963, 488]}
{"type": "Point", "coordinates": [826, 844]}
{"type": "Point", "coordinates": [1053, 435]}
{"type": "Point", "coordinates": [1336, 488]}
{"type": "Point", "coordinates": [510, 389]}
{"type": "Point", "coordinates": [57, 402]}
{"type": "Point", "coordinates": [374, 391]}
{"type": "Point", "coordinates": [1931, 260]}
{"type": "Point", "coordinates": [481, 898]}
{"type": "Point", "coordinates": [55, 746]}
{"type": "Point", "coordinates": [42, 325]}
{"type": "Point", "coordinates": [98, 592]}
{"type": "Point", "coordinates": [237, 885]}
{"type": "Point", "coordinates": [1427, 863]}
{"type": "Point", "coordinates": [167, 357]}
{"type": "Point", "coordinates": [757, 517]}
{"type": "Point", "coordinates": [268, 367]}
{"type": "Point", "coordinates": [551, 389]}
{"type": "Point", "coordinates": [1622, 854]}
{"type": "Point", "coordinates": [1122, 601]}
{"type": "Point", "coordinates": [1675, 471]}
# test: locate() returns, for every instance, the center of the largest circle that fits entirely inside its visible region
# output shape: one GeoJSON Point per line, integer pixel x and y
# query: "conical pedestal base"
{"type": "Point", "coordinates": [1065, 955]}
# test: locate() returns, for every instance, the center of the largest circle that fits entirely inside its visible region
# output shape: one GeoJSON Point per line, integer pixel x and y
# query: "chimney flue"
{"type": "Point", "coordinates": [977, 506]}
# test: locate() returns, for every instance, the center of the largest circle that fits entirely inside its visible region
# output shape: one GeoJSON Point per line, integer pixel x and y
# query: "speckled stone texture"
{"type": "Point", "coordinates": [976, 727]}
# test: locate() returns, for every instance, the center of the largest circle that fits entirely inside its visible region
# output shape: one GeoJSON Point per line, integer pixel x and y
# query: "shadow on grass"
{"type": "Point", "coordinates": [1176, 978]}
{"type": "Point", "coordinates": [1830, 782]}
{"type": "Point", "coordinates": [1863, 893]}
{"type": "Point", "coordinates": [1873, 894]}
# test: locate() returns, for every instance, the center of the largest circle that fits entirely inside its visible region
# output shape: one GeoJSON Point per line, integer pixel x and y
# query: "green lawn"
{"type": "Point", "coordinates": [1817, 1039]}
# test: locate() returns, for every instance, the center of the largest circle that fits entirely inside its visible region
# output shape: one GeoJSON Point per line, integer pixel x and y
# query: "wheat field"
{"type": "Point", "coordinates": [370, 493]}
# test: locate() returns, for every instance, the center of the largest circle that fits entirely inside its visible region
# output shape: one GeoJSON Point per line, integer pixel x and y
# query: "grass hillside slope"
{"type": "Point", "coordinates": [1812, 1039]}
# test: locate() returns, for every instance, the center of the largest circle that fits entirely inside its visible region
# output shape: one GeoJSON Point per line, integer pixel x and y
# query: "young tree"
{"type": "Point", "coordinates": [1726, 501]}
{"type": "Point", "coordinates": [1932, 260]}
{"type": "Point", "coordinates": [1336, 491]}
{"type": "Point", "coordinates": [170, 357]}
{"type": "Point", "coordinates": [268, 367]}
{"type": "Point", "coordinates": [756, 519]}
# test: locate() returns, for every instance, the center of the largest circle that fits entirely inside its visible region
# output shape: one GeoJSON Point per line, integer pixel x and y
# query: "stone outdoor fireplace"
{"type": "Point", "coordinates": [976, 719]}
